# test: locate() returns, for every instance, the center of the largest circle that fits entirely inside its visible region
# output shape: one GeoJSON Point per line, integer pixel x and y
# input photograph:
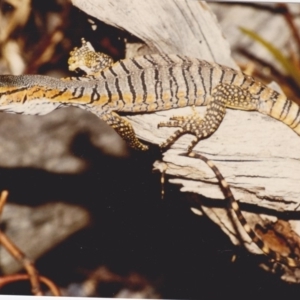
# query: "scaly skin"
{"type": "Point", "coordinates": [152, 83]}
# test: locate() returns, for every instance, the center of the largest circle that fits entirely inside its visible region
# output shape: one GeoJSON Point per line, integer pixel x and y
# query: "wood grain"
{"type": "Point", "coordinates": [258, 156]}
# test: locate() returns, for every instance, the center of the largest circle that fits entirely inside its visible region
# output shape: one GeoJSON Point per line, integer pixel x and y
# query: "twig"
{"type": "Point", "coordinates": [27, 263]}
{"type": "Point", "coordinates": [3, 198]}
{"type": "Point", "coordinates": [13, 278]}
{"type": "Point", "coordinates": [32, 275]}
{"type": "Point", "coordinates": [18, 254]}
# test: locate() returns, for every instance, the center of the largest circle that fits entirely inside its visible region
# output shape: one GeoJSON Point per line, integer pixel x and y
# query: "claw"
{"type": "Point", "coordinates": [168, 124]}
{"type": "Point", "coordinates": [177, 118]}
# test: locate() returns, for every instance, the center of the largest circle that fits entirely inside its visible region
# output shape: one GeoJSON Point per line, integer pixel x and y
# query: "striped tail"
{"type": "Point", "coordinates": [233, 204]}
{"type": "Point", "coordinates": [282, 109]}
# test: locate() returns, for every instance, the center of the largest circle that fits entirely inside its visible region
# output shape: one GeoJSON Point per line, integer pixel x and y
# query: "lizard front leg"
{"type": "Point", "coordinates": [124, 129]}
{"type": "Point", "coordinates": [223, 95]}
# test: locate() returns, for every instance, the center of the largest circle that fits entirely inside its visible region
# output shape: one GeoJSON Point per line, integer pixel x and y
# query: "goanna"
{"type": "Point", "coordinates": [149, 83]}
{"type": "Point", "coordinates": [152, 83]}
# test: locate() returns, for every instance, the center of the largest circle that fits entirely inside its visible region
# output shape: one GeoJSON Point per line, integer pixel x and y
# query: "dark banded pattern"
{"type": "Point", "coordinates": [152, 83]}
{"type": "Point", "coordinates": [233, 204]}
{"type": "Point", "coordinates": [146, 84]}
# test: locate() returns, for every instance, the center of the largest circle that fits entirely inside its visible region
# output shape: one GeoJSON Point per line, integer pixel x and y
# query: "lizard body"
{"type": "Point", "coordinates": [152, 83]}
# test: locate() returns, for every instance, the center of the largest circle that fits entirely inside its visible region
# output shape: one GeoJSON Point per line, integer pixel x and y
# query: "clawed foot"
{"type": "Point", "coordinates": [188, 124]}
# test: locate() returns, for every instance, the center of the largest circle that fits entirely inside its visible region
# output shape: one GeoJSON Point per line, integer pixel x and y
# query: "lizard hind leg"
{"type": "Point", "coordinates": [196, 125]}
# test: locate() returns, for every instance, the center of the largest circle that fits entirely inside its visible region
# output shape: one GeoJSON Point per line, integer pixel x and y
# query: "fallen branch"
{"type": "Point", "coordinates": [258, 155]}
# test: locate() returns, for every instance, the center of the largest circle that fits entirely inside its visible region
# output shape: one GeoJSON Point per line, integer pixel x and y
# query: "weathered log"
{"type": "Point", "coordinates": [258, 155]}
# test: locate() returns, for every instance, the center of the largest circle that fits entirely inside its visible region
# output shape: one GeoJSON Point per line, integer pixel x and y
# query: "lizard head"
{"type": "Point", "coordinates": [86, 59]}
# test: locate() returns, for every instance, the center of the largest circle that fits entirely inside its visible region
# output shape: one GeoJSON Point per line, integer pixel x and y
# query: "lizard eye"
{"type": "Point", "coordinates": [7, 8]}
{"type": "Point", "coordinates": [80, 72]}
